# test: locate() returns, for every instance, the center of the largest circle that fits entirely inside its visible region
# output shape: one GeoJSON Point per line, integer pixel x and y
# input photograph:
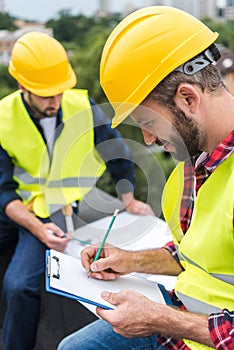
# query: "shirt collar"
{"type": "Point", "coordinates": [213, 160]}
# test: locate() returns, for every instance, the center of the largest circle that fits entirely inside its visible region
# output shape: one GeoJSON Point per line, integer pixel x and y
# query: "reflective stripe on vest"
{"type": "Point", "coordinates": [75, 166]}
{"type": "Point", "coordinates": [24, 177]}
{"type": "Point", "coordinates": [207, 249]}
{"type": "Point", "coordinates": [226, 278]}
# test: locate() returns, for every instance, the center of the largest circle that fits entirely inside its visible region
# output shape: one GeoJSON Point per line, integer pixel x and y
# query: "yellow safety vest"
{"type": "Point", "coordinates": [206, 251]}
{"type": "Point", "coordinates": [75, 165]}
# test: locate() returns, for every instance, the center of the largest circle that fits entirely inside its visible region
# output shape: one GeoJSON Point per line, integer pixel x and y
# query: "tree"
{"type": "Point", "coordinates": [225, 30]}
{"type": "Point", "coordinates": [86, 60]}
{"type": "Point", "coordinates": [67, 27]}
{"type": "Point", "coordinates": [7, 22]}
{"type": "Point", "coordinates": [7, 83]}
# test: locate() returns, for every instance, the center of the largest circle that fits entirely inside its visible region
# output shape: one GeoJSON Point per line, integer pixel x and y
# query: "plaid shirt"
{"type": "Point", "coordinates": [221, 325]}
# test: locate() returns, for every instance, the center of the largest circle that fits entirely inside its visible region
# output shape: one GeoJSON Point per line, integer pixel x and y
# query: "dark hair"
{"type": "Point", "coordinates": [208, 79]}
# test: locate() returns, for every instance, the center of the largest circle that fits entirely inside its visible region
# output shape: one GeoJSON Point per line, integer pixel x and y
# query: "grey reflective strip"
{"type": "Point", "coordinates": [197, 306]}
{"type": "Point", "coordinates": [225, 278]}
{"type": "Point", "coordinates": [24, 177]}
{"type": "Point", "coordinates": [25, 194]}
{"type": "Point", "coordinates": [178, 253]}
{"type": "Point", "coordinates": [74, 182]}
{"type": "Point", "coordinates": [180, 257]}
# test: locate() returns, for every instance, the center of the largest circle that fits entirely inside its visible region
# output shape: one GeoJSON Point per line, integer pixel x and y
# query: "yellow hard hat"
{"type": "Point", "coordinates": [40, 64]}
{"type": "Point", "coordinates": [143, 49]}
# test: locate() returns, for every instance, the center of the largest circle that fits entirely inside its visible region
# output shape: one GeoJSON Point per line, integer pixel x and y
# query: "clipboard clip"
{"type": "Point", "coordinates": [57, 275]}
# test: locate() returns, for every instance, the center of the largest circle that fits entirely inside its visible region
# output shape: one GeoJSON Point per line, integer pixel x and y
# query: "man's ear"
{"type": "Point", "coordinates": [21, 87]}
{"type": "Point", "coordinates": [187, 98]}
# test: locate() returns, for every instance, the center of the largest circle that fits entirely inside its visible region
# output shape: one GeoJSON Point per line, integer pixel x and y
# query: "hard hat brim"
{"type": "Point", "coordinates": [45, 90]}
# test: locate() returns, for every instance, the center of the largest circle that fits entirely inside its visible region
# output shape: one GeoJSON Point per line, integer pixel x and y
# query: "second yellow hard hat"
{"type": "Point", "coordinates": [40, 63]}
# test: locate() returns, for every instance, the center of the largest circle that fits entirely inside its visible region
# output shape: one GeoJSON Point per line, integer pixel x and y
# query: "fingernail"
{"type": "Point", "coordinates": [93, 267]}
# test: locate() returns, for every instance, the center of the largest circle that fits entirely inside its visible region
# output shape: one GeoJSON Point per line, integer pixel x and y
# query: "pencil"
{"type": "Point", "coordinates": [105, 236]}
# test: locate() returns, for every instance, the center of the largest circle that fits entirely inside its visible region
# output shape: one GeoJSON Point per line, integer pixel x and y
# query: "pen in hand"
{"type": "Point", "coordinates": [105, 238]}
{"type": "Point", "coordinates": [72, 238]}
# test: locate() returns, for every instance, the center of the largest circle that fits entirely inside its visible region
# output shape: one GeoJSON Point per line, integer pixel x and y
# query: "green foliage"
{"type": "Point", "coordinates": [84, 38]}
{"type": "Point", "coordinates": [85, 61]}
{"type": "Point", "coordinates": [225, 30]}
{"type": "Point", "coordinates": [7, 22]}
{"type": "Point", "coordinates": [152, 168]}
{"type": "Point", "coordinates": [79, 29]}
{"type": "Point", "coordinates": [151, 172]}
{"type": "Point", "coordinates": [70, 28]}
{"type": "Point", "coordinates": [7, 83]}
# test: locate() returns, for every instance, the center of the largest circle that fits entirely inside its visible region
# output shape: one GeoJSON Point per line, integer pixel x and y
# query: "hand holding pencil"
{"type": "Point", "coordinates": [105, 237]}
{"type": "Point", "coordinates": [105, 261]}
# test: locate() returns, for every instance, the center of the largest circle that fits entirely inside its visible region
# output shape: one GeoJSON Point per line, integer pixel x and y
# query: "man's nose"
{"type": "Point", "coordinates": [148, 137]}
{"type": "Point", "coordinates": [55, 101]}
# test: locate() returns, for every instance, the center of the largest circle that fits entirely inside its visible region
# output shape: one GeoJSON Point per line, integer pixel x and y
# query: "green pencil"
{"type": "Point", "coordinates": [105, 236]}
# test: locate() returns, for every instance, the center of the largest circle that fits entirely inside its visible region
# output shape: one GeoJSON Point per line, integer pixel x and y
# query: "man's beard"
{"type": "Point", "coordinates": [40, 114]}
{"type": "Point", "coordinates": [187, 138]}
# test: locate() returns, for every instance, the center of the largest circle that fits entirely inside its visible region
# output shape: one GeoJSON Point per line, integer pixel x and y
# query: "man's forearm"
{"type": "Point", "coordinates": [179, 324]}
{"type": "Point", "coordinates": [17, 212]}
{"type": "Point", "coordinates": [155, 261]}
{"type": "Point", "coordinates": [23, 217]}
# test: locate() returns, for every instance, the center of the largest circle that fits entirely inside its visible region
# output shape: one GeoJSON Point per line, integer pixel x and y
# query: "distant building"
{"type": "Point", "coordinates": [104, 5]}
{"type": "Point", "coordinates": [104, 8]}
{"type": "Point", "coordinates": [197, 8]}
{"type": "Point", "coordinates": [2, 6]}
{"type": "Point", "coordinates": [228, 10]}
{"type": "Point", "coordinates": [7, 39]}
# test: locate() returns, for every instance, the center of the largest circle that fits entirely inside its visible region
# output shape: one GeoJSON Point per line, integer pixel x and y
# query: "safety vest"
{"type": "Point", "coordinates": [206, 251]}
{"type": "Point", "coordinates": [75, 166]}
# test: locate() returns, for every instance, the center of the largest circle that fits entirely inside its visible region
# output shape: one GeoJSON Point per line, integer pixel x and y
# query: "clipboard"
{"type": "Point", "coordinates": [66, 277]}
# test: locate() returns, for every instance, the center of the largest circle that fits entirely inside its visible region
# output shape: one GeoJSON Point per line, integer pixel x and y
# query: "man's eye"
{"type": "Point", "coordinates": [148, 124]}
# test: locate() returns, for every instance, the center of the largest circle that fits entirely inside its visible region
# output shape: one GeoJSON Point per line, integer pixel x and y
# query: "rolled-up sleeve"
{"type": "Point", "coordinates": [221, 327]}
{"type": "Point", "coordinates": [170, 246]}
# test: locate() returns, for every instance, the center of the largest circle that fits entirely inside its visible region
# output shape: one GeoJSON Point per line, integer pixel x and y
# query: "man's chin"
{"type": "Point", "coordinates": [50, 114]}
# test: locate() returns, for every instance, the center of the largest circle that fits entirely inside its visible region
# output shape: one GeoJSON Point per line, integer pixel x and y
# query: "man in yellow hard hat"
{"type": "Point", "coordinates": [54, 146]}
{"type": "Point", "coordinates": [158, 65]}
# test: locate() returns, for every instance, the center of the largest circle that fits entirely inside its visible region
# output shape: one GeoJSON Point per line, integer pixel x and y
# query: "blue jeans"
{"type": "Point", "coordinates": [21, 286]}
{"type": "Point", "coordinates": [99, 335]}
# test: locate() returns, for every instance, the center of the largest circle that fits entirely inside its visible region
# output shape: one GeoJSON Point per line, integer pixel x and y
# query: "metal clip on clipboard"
{"type": "Point", "coordinates": [49, 262]}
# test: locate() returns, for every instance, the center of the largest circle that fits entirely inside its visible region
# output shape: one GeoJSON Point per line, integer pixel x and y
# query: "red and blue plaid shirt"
{"type": "Point", "coordinates": [221, 325]}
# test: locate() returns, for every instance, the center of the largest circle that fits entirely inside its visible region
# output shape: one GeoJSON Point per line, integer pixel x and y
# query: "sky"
{"type": "Point", "coordinates": [43, 10]}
